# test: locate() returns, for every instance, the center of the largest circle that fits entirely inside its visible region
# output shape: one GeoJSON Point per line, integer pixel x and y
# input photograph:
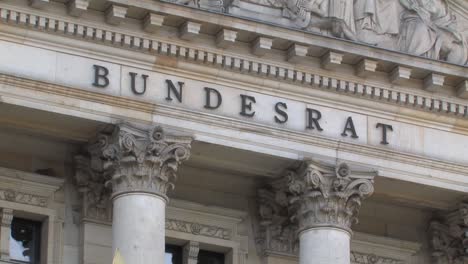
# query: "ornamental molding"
{"type": "Point", "coordinates": [198, 229]}
{"type": "Point", "coordinates": [251, 66]}
{"type": "Point", "coordinates": [6, 216]}
{"type": "Point", "coordinates": [13, 83]}
{"type": "Point", "coordinates": [96, 202]}
{"type": "Point", "coordinates": [36, 190]}
{"type": "Point", "coordinates": [389, 24]}
{"type": "Point", "coordinates": [449, 237]}
{"type": "Point", "coordinates": [135, 160]}
{"type": "Point", "coordinates": [127, 160]}
{"type": "Point", "coordinates": [364, 258]}
{"type": "Point", "coordinates": [309, 197]}
{"type": "Point", "coordinates": [23, 198]}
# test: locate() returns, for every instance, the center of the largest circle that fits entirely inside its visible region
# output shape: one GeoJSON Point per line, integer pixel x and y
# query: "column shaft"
{"type": "Point", "coordinates": [324, 246]}
{"type": "Point", "coordinates": [138, 228]}
{"type": "Point", "coordinates": [140, 166]}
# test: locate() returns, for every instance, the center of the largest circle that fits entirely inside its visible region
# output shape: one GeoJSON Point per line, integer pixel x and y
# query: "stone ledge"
{"type": "Point", "coordinates": [228, 62]}
{"type": "Point", "coordinates": [345, 148]}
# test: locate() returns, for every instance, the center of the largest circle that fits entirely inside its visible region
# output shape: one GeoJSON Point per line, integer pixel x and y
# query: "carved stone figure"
{"type": "Point", "coordinates": [377, 21]}
{"type": "Point", "coordinates": [337, 16]}
{"type": "Point", "coordinates": [215, 5]}
{"type": "Point", "coordinates": [430, 29]}
{"type": "Point", "coordinates": [421, 27]}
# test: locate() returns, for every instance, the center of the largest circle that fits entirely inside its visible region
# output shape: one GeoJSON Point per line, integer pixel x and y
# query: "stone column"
{"type": "Point", "coordinates": [139, 167]}
{"type": "Point", "coordinates": [315, 205]}
{"type": "Point", "coordinates": [326, 202]}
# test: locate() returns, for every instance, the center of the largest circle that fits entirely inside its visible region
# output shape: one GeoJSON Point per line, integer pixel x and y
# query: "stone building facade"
{"type": "Point", "coordinates": [234, 131]}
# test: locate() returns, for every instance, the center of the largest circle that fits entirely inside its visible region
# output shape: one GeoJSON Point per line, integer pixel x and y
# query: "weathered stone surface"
{"type": "Point", "coordinates": [313, 196]}
{"type": "Point", "coordinates": [428, 29]}
{"type": "Point", "coordinates": [125, 161]}
{"type": "Point", "coordinates": [449, 237]}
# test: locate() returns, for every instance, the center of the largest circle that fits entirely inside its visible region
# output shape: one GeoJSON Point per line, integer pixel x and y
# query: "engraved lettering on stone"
{"type": "Point", "coordinates": [198, 229]}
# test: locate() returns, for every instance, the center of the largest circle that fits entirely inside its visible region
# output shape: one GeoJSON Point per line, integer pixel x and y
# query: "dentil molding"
{"type": "Point", "coordinates": [245, 65]}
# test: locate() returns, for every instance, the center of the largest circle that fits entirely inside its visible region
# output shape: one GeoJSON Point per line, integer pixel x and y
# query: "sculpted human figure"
{"type": "Point", "coordinates": [429, 29]}
{"type": "Point", "coordinates": [377, 21]}
{"type": "Point", "coordinates": [337, 16]}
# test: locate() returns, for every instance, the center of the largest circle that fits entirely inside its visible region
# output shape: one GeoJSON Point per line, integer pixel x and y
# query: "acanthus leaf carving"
{"type": "Point", "coordinates": [135, 160]}
{"type": "Point", "coordinates": [24, 198]}
{"type": "Point", "coordinates": [362, 258]}
{"type": "Point", "coordinates": [449, 237]}
{"type": "Point", "coordinates": [328, 197]}
{"type": "Point", "coordinates": [96, 203]}
{"type": "Point", "coordinates": [198, 229]}
{"type": "Point", "coordinates": [311, 196]}
{"type": "Point", "coordinates": [127, 160]}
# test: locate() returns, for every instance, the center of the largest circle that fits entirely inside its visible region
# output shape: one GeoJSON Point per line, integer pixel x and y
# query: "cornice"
{"type": "Point", "coordinates": [275, 31]}
{"type": "Point", "coordinates": [251, 66]}
{"type": "Point", "coordinates": [129, 105]}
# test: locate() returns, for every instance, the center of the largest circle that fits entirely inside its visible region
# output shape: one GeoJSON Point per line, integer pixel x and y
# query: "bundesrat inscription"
{"type": "Point", "coordinates": [213, 99]}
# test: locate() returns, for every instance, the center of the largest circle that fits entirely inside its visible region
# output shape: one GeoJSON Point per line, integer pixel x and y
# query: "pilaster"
{"type": "Point", "coordinates": [449, 237]}
{"type": "Point", "coordinates": [6, 216]}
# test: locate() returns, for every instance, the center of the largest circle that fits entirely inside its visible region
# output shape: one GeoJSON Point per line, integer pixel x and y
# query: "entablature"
{"type": "Point", "coordinates": [290, 50]}
{"type": "Point", "coordinates": [257, 70]}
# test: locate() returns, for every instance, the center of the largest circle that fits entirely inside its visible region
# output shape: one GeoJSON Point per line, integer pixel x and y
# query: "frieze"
{"type": "Point", "coordinates": [426, 28]}
{"type": "Point", "coordinates": [362, 258]}
{"type": "Point", "coordinates": [198, 229]}
{"type": "Point", "coordinates": [24, 198]}
{"type": "Point", "coordinates": [228, 62]}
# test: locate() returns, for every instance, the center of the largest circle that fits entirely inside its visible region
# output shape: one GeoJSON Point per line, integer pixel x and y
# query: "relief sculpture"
{"type": "Point", "coordinates": [427, 28]}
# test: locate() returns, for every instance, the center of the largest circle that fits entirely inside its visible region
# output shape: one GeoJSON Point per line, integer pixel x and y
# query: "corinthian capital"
{"type": "Point", "coordinates": [326, 196]}
{"type": "Point", "coordinates": [449, 236]}
{"type": "Point", "coordinates": [312, 196]}
{"type": "Point", "coordinates": [136, 160]}
{"type": "Point", "coordinates": [96, 204]}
